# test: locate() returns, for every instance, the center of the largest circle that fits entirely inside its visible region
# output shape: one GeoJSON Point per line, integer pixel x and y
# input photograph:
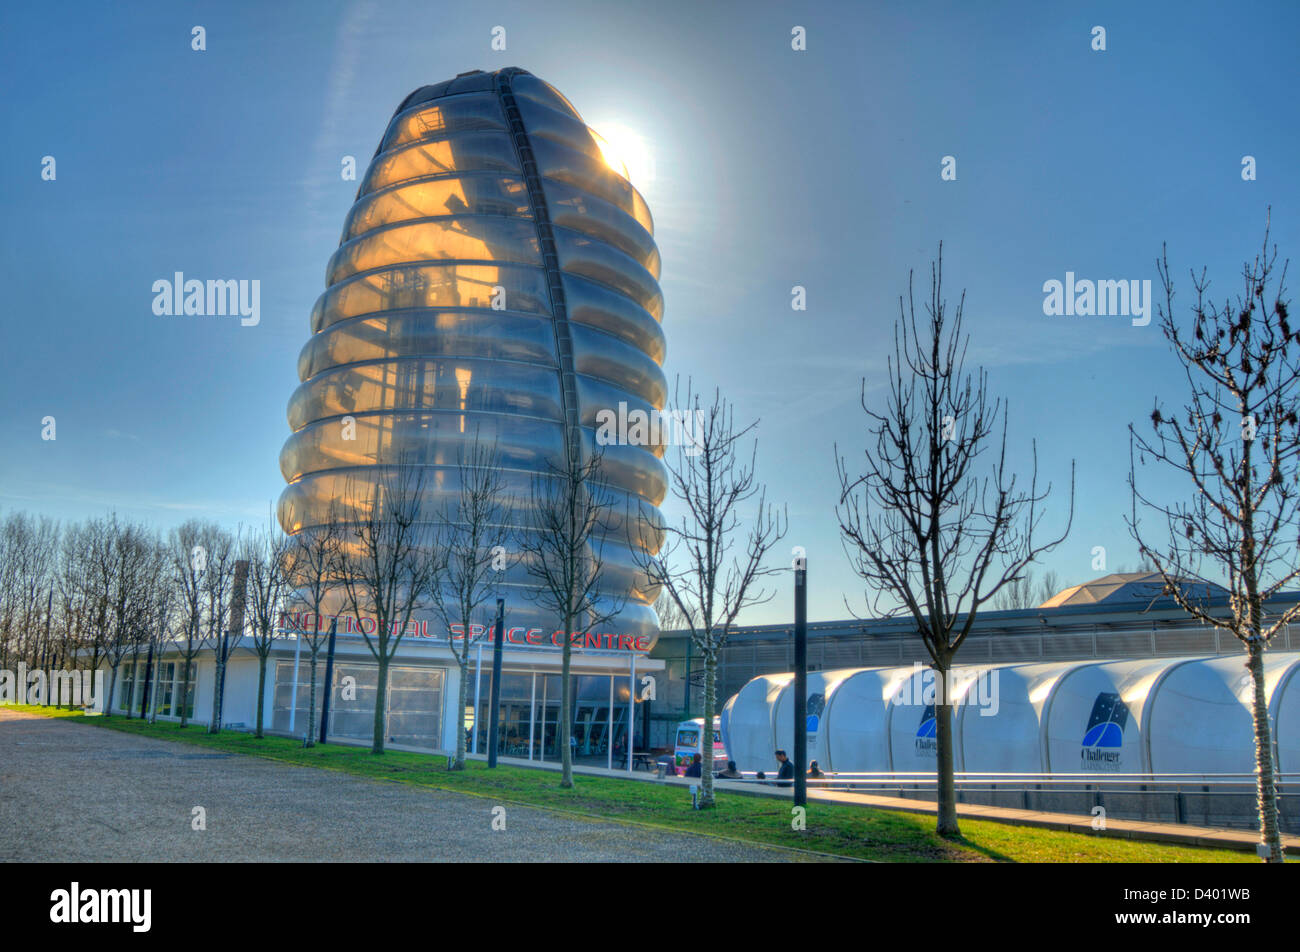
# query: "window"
{"type": "Point", "coordinates": [284, 698]}
{"type": "Point", "coordinates": [185, 689]}
{"type": "Point", "coordinates": [415, 706]}
{"type": "Point", "coordinates": [126, 685]}
{"type": "Point", "coordinates": [352, 714]}
{"type": "Point", "coordinates": [415, 702]}
{"type": "Point", "coordinates": [166, 688]}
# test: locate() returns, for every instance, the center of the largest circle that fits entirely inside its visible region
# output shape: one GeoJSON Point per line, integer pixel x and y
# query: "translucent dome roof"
{"type": "Point", "coordinates": [1128, 588]}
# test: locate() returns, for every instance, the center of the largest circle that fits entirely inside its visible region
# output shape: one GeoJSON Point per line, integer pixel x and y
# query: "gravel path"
{"type": "Point", "coordinates": [70, 792]}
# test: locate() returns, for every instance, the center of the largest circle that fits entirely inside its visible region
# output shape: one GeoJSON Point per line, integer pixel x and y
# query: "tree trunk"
{"type": "Point", "coordinates": [566, 709]}
{"type": "Point", "coordinates": [381, 703]}
{"type": "Point", "coordinates": [946, 788]}
{"type": "Point", "coordinates": [1269, 832]}
{"type": "Point", "coordinates": [185, 676]}
{"type": "Point", "coordinates": [182, 686]}
{"type": "Point", "coordinates": [261, 693]}
{"type": "Point", "coordinates": [112, 691]}
{"type": "Point", "coordinates": [214, 725]}
{"type": "Point", "coordinates": [706, 735]}
{"type": "Point", "coordinates": [462, 691]}
{"type": "Point", "coordinates": [218, 684]}
{"type": "Point", "coordinates": [221, 686]}
{"type": "Point", "coordinates": [153, 692]}
{"type": "Point", "coordinates": [135, 683]}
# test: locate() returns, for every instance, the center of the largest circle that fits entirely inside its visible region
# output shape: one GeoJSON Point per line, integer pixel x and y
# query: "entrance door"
{"type": "Point", "coordinates": [546, 717]}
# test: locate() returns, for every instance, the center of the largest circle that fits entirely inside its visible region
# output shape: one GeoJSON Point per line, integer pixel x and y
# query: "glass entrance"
{"type": "Point", "coordinates": [514, 714]}
{"type": "Point", "coordinates": [529, 717]}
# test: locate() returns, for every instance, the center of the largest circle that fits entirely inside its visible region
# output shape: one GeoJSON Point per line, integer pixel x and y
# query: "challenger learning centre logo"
{"type": "Point", "coordinates": [926, 741]}
{"type": "Point", "coordinates": [816, 706]}
{"type": "Point", "coordinates": [1104, 738]}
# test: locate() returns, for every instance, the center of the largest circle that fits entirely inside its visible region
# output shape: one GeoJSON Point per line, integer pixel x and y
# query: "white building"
{"type": "Point", "coordinates": [422, 687]}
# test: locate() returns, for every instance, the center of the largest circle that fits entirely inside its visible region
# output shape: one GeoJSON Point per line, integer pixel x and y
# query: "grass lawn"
{"type": "Point", "coordinates": [856, 832]}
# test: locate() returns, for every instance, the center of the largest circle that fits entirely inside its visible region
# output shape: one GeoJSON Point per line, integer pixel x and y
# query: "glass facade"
{"type": "Point", "coordinates": [529, 715]}
{"type": "Point", "coordinates": [415, 699]}
{"type": "Point", "coordinates": [497, 279]}
{"type": "Point", "coordinates": [131, 687]}
{"type": "Point", "coordinates": [126, 684]}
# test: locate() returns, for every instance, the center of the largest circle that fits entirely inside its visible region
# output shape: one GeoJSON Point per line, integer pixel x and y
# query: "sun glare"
{"type": "Point", "coordinates": [626, 152]}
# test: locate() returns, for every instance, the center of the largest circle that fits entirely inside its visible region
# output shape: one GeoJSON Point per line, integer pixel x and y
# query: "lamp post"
{"type": "Point", "coordinates": [494, 710]}
{"type": "Point", "coordinates": [329, 681]}
{"type": "Point", "coordinates": [801, 681]}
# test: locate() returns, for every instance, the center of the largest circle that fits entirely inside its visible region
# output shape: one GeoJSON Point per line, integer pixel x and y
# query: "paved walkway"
{"type": "Point", "coordinates": [75, 793]}
{"type": "Point", "coordinates": [1186, 834]}
{"type": "Point", "coordinates": [1216, 837]}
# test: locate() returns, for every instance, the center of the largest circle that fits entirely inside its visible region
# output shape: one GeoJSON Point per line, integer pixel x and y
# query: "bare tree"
{"type": "Point", "coordinates": [232, 635]}
{"type": "Point", "coordinates": [74, 587]}
{"type": "Point", "coordinates": [1047, 588]}
{"type": "Point", "coordinates": [313, 557]}
{"type": "Point", "coordinates": [385, 565]}
{"type": "Point", "coordinates": [267, 556]}
{"type": "Point", "coordinates": [145, 621]}
{"type": "Point", "coordinates": [719, 562]}
{"type": "Point", "coordinates": [188, 558]}
{"type": "Point", "coordinates": [1018, 594]}
{"type": "Point", "coordinates": [26, 578]}
{"type": "Point", "coordinates": [1144, 565]}
{"type": "Point", "coordinates": [9, 581]}
{"type": "Point", "coordinates": [930, 537]}
{"type": "Point", "coordinates": [470, 555]}
{"type": "Point", "coordinates": [168, 621]}
{"type": "Point", "coordinates": [99, 557]}
{"type": "Point", "coordinates": [126, 561]}
{"type": "Point", "coordinates": [568, 522]}
{"type": "Point", "coordinates": [218, 591]}
{"type": "Point", "coordinates": [670, 616]}
{"type": "Point", "coordinates": [1236, 441]}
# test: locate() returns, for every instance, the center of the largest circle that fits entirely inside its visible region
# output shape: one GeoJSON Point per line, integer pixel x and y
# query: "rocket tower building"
{"type": "Point", "coordinates": [496, 280]}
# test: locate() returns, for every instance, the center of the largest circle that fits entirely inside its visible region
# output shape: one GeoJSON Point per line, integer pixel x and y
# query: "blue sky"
{"type": "Point", "coordinates": [772, 168]}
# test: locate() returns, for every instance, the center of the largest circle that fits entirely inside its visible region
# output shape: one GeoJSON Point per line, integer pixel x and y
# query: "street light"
{"type": "Point", "coordinates": [800, 678]}
{"type": "Point", "coordinates": [495, 704]}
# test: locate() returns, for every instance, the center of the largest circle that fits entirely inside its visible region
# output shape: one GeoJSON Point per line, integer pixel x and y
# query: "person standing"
{"type": "Point", "coordinates": [786, 771]}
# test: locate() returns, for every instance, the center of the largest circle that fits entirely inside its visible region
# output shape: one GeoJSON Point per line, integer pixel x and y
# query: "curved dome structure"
{"type": "Point", "coordinates": [1203, 717]}
{"type": "Point", "coordinates": [1007, 737]}
{"type": "Point", "coordinates": [1162, 715]}
{"type": "Point", "coordinates": [912, 726]}
{"type": "Point", "coordinates": [857, 719]}
{"type": "Point", "coordinates": [1129, 590]}
{"type": "Point", "coordinates": [496, 281]}
{"type": "Point", "coordinates": [748, 725]}
{"type": "Point", "coordinates": [1097, 716]}
{"type": "Point", "coordinates": [821, 688]}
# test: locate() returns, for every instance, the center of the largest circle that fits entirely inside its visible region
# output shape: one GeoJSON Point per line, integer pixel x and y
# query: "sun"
{"type": "Point", "coordinates": [626, 152]}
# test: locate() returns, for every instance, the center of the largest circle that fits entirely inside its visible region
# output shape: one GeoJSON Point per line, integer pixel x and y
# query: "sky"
{"type": "Point", "coordinates": [765, 168]}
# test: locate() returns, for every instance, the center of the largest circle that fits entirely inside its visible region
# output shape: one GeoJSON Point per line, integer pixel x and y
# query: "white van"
{"type": "Point", "coordinates": [689, 739]}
